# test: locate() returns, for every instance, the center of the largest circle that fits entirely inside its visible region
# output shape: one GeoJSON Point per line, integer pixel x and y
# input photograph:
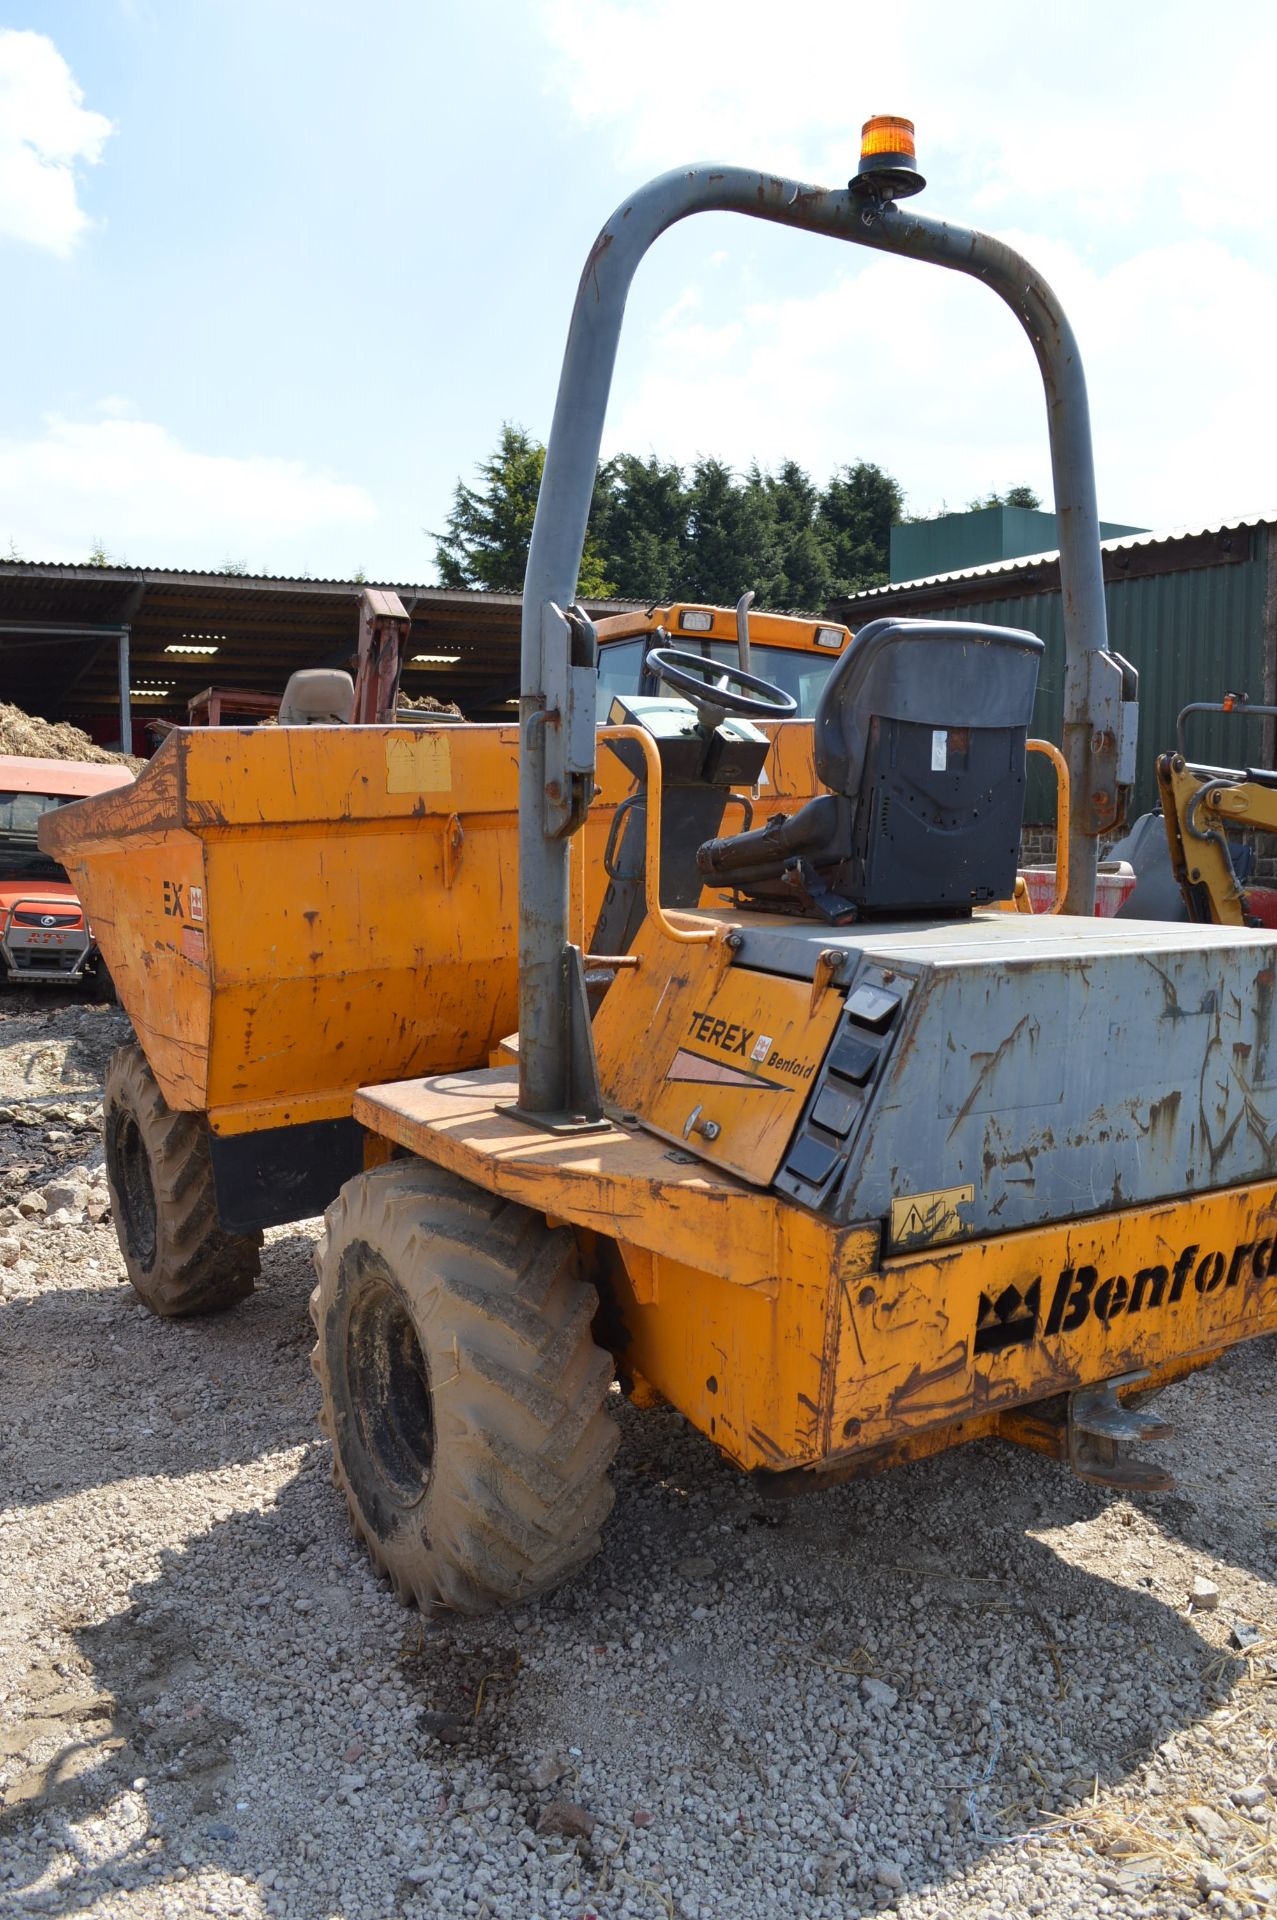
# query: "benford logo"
{"type": "Point", "coordinates": [1014, 1317]}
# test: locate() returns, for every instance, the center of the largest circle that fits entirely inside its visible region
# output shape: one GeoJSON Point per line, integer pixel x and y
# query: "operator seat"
{"type": "Point", "coordinates": [920, 736]}
{"type": "Point", "coordinates": [317, 697]}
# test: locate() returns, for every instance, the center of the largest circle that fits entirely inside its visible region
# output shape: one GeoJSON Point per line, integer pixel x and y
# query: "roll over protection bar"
{"type": "Point", "coordinates": [557, 1083]}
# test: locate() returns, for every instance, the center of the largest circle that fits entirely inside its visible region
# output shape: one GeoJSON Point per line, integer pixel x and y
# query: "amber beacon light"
{"type": "Point", "coordinates": [887, 158]}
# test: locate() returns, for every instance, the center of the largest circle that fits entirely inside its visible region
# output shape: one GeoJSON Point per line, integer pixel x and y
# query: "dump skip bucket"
{"type": "Point", "coordinates": [292, 912]}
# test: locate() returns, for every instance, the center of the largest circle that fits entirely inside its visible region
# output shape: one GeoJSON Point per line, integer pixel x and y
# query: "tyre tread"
{"type": "Point", "coordinates": [198, 1266]}
{"type": "Point", "coordinates": [520, 1488]}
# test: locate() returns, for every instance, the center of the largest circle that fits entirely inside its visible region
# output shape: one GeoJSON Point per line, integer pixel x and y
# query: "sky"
{"type": "Point", "coordinates": [276, 271]}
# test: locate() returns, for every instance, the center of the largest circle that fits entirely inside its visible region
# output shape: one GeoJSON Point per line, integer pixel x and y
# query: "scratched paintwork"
{"type": "Point", "coordinates": [724, 1049]}
{"type": "Point", "coordinates": [790, 1342]}
{"type": "Point", "coordinates": [1057, 1067]}
{"type": "Point", "coordinates": [148, 962]}
{"type": "Point", "coordinates": [724, 1292]}
{"type": "Point", "coordinates": [1062, 1084]}
{"type": "Point", "coordinates": [1060, 1066]}
{"type": "Point", "coordinates": [1206, 1285]}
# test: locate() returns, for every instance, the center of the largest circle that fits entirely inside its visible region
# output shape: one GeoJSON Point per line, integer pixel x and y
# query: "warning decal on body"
{"type": "Point", "coordinates": [918, 1219]}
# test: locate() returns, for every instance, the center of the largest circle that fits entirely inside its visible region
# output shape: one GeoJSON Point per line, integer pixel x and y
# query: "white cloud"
{"type": "Point", "coordinates": [1138, 141]}
{"type": "Point", "coordinates": [1107, 107]}
{"type": "Point", "coordinates": [930, 375]}
{"type": "Point", "coordinates": [45, 131]}
{"type": "Point", "coordinates": [131, 484]}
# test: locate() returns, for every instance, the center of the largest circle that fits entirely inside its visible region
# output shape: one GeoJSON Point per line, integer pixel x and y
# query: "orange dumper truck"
{"type": "Point", "coordinates": [290, 912]}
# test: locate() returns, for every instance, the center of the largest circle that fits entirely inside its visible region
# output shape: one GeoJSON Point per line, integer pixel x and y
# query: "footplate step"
{"type": "Point", "coordinates": [1100, 1427]}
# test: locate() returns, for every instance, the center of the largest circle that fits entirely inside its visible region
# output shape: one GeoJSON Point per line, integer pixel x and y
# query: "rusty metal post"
{"type": "Point", "coordinates": [549, 1081]}
{"type": "Point", "coordinates": [383, 629]}
{"type": "Point", "coordinates": [126, 704]}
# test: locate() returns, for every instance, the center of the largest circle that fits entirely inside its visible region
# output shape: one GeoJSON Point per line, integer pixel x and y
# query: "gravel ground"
{"type": "Point", "coordinates": [970, 1688]}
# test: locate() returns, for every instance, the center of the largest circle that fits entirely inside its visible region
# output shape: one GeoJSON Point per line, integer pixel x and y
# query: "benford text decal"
{"type": "Point", "coordinates": [1016, 1316]}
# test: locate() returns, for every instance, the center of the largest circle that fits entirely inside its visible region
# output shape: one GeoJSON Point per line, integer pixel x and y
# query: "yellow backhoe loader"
{"type": "Point", "coordinates": [1205, 811]}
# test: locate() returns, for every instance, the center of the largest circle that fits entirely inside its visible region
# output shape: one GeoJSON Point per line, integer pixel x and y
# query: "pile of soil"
{"type": "Point", "coordinates": [426, 703]}
{"type": "Point", "coordinates": [35, 739]}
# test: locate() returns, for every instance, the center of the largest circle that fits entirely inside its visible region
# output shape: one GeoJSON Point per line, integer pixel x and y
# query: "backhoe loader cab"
{"type": "Point", "coordinates": [849, 1168]}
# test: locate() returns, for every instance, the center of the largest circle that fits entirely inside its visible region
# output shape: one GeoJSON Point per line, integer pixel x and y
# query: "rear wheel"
{"type": "Point", "coordinates": [100, 984]}
{"type": "Point", "coordinates": [463, 1391]}
{"type": "Point", "coordinates": [162, 1199]}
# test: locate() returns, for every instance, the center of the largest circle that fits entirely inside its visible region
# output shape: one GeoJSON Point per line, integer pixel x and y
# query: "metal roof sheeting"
{"type": "Point", "coordinates": [58, 626]}
{"type": "Point", "coordinates": [1024, 563]}
{"type": "Point", "coordinates": [1192, 615]}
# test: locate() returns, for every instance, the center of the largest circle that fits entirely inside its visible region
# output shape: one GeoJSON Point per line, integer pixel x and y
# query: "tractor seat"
{"type": "Point", "coordinates": [919, 735]}
{"type": "Point", "coordinates": [317, 697]}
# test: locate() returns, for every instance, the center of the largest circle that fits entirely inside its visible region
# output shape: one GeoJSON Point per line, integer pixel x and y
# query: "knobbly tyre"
{"type": "Point", "coordinates": [854, 1168]}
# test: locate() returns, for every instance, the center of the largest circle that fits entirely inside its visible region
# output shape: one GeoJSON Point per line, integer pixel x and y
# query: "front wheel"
{"type": "Point", "coordinates": [463, 1391]}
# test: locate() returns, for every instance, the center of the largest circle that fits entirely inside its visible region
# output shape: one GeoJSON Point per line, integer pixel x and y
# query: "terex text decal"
{"type": "Point", "coordinates": [732, 1040]}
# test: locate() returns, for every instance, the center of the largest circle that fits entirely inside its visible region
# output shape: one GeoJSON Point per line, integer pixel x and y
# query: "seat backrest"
{"type": "Point", "coordinates": [317, 697]}
{"type": "Point", "coordinates": [920, 737]}
{"type": "Point", "coordinates": [937, 674]}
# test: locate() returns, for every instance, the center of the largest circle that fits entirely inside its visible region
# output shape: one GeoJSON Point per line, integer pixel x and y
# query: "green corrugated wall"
{"type": "Point", "coordinates": [1193, 635]}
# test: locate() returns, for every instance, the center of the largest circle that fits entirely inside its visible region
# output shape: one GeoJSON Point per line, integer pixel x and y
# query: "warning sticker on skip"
{"type": "Point", "coordinates": [418, 763]}
{"type": "Point", "coordinates": [939, 750]}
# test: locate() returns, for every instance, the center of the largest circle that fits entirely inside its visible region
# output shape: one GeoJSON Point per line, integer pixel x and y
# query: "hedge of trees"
{"type": "Point", "coordinates": [659, 531]}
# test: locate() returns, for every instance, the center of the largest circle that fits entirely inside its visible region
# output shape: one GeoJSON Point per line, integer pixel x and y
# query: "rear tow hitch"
{"type": "Point", "coordinates": [1100, 1428]}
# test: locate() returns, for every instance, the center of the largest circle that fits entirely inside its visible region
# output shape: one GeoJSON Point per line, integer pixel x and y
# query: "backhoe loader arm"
{"type": "Point", "coordinates": [1198, 805]}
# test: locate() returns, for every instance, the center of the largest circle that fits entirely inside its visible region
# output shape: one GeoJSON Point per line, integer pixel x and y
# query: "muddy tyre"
{"type": "Point", "coordinates": [463, 1392]}
{"type": "Point", "coordinates": [162, 1201]}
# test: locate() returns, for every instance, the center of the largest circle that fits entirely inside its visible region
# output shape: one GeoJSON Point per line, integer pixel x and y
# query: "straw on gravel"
{"type": "Point", "coordinates": [30, 737]}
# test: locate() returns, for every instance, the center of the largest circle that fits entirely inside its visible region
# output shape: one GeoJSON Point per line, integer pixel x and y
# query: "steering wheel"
{"type": "Point", "coordinates": [714, 688]}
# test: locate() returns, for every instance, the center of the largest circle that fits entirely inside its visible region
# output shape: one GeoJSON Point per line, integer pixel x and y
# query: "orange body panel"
{"type": "Point", "coordinates": [729, 1055]}
{"type": "Point", "coordinates": [289, 912]}
{"type": "Point", "coordinates": [792, 1342]}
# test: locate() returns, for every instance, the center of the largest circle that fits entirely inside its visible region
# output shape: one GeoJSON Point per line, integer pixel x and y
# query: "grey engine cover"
{"type": "Point", "coordinates": [1059, 1067]}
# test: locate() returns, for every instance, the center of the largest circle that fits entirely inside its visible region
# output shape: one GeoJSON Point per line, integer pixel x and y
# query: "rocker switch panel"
{"type": "Point", "coordinates": [872, 1006]}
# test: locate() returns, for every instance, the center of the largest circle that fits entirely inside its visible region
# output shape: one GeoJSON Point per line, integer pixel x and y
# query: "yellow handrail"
{"type": "Point", "coordinates": [686, 936]}
{"type": "Point", "coordinates": [1058, 761]}
{"type": "Point", "coordinates": [695, 936]}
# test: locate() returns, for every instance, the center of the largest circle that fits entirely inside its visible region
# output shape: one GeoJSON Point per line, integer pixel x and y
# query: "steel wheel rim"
{"type": "Point", "coordinates": [389, 1383]}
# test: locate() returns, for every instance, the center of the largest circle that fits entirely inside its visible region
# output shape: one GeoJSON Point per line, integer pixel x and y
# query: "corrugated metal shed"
{"type": "Point", "coordinates": [59, 626]}
{"type": "Point", "coordinates": [1194, 609]}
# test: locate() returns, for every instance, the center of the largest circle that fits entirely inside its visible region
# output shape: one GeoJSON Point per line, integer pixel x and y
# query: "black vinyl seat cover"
{"type": "Point", "coordinates": [919, 735]}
